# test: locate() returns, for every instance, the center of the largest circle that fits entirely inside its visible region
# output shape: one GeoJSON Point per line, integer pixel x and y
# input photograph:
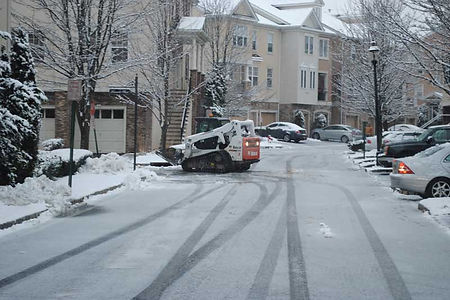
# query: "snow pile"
{"type": "Point", "coordinates": [437, 206]}
{"type": "Point", "coordinates": [107, 163]}
{"type": "Point", "coordinates": [52, 144]}
{"type": "Point", "coordinates": [150, 158]}
{"type": "Point", "coordinates": [139, 180]}
{"type": "Point", "coordinates": [325, 230]}
{"type": "Point", "coordinates": [313, 140]}
{"type": "Point", "coordinates": [55, 163]}
{"type": "Point", "coordinates": [269, 143]}
{"type": "Point", "coordinates": [41, 189]}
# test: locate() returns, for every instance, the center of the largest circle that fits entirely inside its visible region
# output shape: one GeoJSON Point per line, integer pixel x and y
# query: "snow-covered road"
{"type": "Point", "coordinates": [301, 224]}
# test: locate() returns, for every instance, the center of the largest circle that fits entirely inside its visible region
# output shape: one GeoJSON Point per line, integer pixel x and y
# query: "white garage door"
{"type": "Point", "coordinates": [47, 123]}
{"type": "Point", "coordinates": [110, 126]}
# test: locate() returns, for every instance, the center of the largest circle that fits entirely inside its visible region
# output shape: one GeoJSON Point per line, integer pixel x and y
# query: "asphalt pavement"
{"type": "Point", "coordinates": [301, 224]}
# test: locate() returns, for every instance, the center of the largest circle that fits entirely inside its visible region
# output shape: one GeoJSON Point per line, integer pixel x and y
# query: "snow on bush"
{"type": "Point", "coordinates": [52, 144]}
{"type": "Point", "coordinates": [107, 163]}
{"type": "Point", "coordinates": [55, 163]}
{"type": "Point", "coordinates": [55, 195]}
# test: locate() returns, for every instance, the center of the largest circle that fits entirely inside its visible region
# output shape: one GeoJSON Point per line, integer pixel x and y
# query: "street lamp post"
{"type": "Point", "coordinates": [374, 50]}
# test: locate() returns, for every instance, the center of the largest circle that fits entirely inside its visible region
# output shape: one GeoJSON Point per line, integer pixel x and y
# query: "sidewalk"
{"type": "Point", "coordinates": [39, 195]}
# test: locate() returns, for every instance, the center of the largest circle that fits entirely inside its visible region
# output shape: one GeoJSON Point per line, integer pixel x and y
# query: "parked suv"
{"type": "Point", "coordinates": [432, 136]}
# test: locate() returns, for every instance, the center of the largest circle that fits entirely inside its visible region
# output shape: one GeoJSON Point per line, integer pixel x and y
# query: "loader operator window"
{"type": "Point", "coordinates": [245, 131]}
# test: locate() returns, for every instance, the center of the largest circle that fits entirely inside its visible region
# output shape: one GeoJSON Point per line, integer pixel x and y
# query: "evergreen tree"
{"type": "Point", "coordinates": [216, 87]}
{"type": "Point", "coordinates": [299, 118]}
{"type": "Point", "coordinates": [20, 103]}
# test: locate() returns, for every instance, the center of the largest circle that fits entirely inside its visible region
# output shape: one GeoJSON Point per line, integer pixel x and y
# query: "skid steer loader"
{"type": "Point", "coordinates": [231, 147]}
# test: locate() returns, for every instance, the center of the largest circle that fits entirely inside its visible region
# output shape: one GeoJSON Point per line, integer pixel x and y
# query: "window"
{"type": "Point", "coordinates": [323, 48]}
{"type": "Point", "coordinates": [253, 75]}
{"type": "Point", "coordinates": [418, 90]}
{"type": "Point", "coordinates": [312, 79]}
{"type": "Point", "coordinates": [269, 77]}
{"type": "Point", "coordinates": [353, 52]}
{"type": "Point", "coordinates": [240, 36]}
{"type": "Point", "coordinates": [106, 114]}
{"type": "Point", "coordinates": [37, 45]}
{"type": "Point", "coordinates": [50, 113]}
{"type": "Point", "coordinates": [322, 87]}
{"type": "Point", "coordinates": [303, 79]}
{"type": "Point", "coordinates": [309, 44]}
{"type": "Point", "coordinates": [270, 42]}
{"type": "Point", "coordinates": [118, 114]}
{"type": "Point", "coordinates": [441, 135]}
{"type": "Point", "coordinates": [119, 47]}
{"type": "Point", "coordinates": [254, 40]}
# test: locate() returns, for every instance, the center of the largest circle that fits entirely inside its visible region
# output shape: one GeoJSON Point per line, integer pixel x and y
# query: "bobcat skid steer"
{"type": "Point", "coordinates": [232, 147]}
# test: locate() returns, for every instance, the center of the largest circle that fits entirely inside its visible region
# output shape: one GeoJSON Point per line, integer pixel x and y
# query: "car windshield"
{"type": "Point", "coordinates": [425, 134]}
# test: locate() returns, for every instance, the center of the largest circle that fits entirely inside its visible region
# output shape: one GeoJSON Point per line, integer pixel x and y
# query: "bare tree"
{"type": "Point", "coordinates": [228, 48]}
{"type": "Point", "coordinates": [74, 39]}
{"type": "Point", "coordinates": [423, 27]}
{"type": "Point", "coordinates": [354, 74]}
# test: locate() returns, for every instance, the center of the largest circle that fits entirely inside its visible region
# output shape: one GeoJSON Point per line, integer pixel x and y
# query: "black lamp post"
{"type": "Point", "coordinates": [374, 49]}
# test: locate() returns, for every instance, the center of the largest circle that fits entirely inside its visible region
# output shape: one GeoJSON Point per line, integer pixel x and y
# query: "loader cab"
{"type": "Point", "coordinates": [204, 124]}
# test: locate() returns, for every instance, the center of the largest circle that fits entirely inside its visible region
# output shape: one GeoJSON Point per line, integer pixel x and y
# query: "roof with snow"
{"type": "Point", "coordinates": [284, 13]}
{"type": "Point", "coordinates": [192, 23]}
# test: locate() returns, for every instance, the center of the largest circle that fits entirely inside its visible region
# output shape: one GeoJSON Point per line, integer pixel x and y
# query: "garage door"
{"type": "Point", "coordinates": [47, 124]}
{"type": "Point", "coordinates": [110, 127]}
{"type": "Point", "coordinates": [268, 117]}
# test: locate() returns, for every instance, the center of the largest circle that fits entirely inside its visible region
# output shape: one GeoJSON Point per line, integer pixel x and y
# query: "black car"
{"type": "Point", "coordinates": [432, 136]}
{"type": "Point", "coordinates": [284, 131]}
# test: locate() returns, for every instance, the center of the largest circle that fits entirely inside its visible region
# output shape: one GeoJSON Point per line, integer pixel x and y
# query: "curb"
{"type": "Point", "coordinates": [423, 208]}
{"type": "Point", "coordinates": [74, 201]}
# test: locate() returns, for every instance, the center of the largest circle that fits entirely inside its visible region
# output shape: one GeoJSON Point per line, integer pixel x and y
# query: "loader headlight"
{"type": "Point", "coordinates": [246, 144]}
{"type": "Point", "coordinates": [257, 143]}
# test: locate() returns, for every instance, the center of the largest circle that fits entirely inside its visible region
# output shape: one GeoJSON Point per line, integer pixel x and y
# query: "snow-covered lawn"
{"type": "Point", "coordinates": [39, 193]}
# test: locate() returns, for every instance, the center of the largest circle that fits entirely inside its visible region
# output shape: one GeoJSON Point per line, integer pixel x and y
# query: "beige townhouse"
{"type": "Point", "coordinates": [128, 49]}
{"type": "Point", "coordinates": [287, 61]}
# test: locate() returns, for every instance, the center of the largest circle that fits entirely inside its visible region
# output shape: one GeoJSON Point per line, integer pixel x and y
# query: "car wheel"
{"type": "Point", "coordinates": [439, 187]}
{"type": "Point", "coordinates": [316, 136]}
{"type": "Point", "coordinates": [344, 139]}
{"type": "Point", "coordinates": [286, 138]}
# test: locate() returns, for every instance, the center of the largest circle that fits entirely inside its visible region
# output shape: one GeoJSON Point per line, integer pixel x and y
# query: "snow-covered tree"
{"type": "Point", "coordinates": [320, 121]}
{"type": "Point", "coordinates": [227, 49]}
{"type": "Point", "coordinates": [216, 86]}
{"type": "Point", "coordinates": [20, 102]}
{"type": "Point", "coordinates": [75, 40]}
{"type": "Point", "coordinates": [422, 115]}
{"type": "Point", "coordinates": [161, 21]}
{"type": "Point", "coordinates": [299, 118]}
{"type": "Point", "coordinates": [354, 72]}
{"type": "Point", "coordinates": [423, 28]}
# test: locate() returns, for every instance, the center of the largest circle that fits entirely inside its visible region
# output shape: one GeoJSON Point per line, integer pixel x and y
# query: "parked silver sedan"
{"type": "Point", "coordinates": [343, 133]}
{"type": "Point", "coordinates": [427, 173]}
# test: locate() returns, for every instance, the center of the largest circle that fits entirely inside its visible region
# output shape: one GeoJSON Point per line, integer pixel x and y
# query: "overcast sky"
{"type": "Point", "coordinates": [336, 5]}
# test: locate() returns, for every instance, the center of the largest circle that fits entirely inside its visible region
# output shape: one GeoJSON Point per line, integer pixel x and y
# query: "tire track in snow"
{"type": "Point", "coordinates": [84, 247]}
{"type": "Point", "coordinates": [263, 278]}
{"type": "Point", "coordinates": [394, 280]}
{"type": "Point", "coordinates": [298, 283]}
{"type": "Point", "coordinates": [166, 276]}
{"type": "Point", "coordinates": [219, 240]}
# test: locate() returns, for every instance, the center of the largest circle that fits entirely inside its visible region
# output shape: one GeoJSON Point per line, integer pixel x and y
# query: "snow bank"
{"type": "Point", "coordinates": [107, 163]}
{"type": "Point", "coordinates": [139, 180]}
{"type": "Point", "coordinates": [41, 189]}
{"type": "Point", "coordinates": [269, 143]}
{"type": "Point", "coordinates": [150, 158]}
{"type": "Point", "coordinates": [437, 206]}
